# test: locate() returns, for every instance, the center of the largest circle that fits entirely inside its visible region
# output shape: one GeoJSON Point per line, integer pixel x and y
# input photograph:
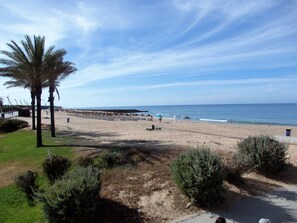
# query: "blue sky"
{"type": "Point", "coordinates": [154, 52]}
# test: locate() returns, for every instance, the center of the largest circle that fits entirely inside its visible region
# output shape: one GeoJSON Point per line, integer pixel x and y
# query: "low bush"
{"type": "Point", "coordinates": [121, 157]}
{"type": "Point", "coordinates": [199, 174]}
{"type": "Point", "coordinates": [74, 197]}
{"type": "Point", "coordinates": [10, 125]}
{"type": "Point", "coordinates": [111, 159]}
{"type": "Point", "coordinates": [26, 183]}
{"type": "Point", "coordinates": [55, 166]}
{"type": "Point", "coordinates": [263, 154]}
{"type": "Point", "coordinates": [85, 161]}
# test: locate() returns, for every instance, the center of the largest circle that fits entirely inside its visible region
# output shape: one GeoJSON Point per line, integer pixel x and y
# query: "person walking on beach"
{"type": "Point", "coordinates": [160, 119]}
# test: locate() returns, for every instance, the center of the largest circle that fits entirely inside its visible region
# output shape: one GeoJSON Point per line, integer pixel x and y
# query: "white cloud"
{"type": "Point", "coordinates": [208, 83]}
{"type": "Point", "coordinates": [109, 40]}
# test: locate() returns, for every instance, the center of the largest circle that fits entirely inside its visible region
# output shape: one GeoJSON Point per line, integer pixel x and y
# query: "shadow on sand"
{"type": "Point", "coordinates": [112, 211]}
{"type": "Point", "coordinates": [288, 175]}
{"type": "Point", "coordinates": [90, 143]}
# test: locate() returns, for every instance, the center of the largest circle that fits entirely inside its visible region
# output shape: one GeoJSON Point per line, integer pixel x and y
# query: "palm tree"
{"type": "Point", "coordinates": [57, 70]}
{"type": "Point", "coordinates": [1, 104]}
{"type": "Point", "coordinates": [28, 60]}
{"type": "Point", "coordinates": [21, 81]}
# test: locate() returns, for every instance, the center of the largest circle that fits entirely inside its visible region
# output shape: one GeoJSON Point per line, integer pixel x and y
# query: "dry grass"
{"type": "Point", "coordinates": [9, 172]}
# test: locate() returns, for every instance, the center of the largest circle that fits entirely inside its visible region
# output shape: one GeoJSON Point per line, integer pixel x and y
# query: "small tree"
{"type": "Point", "coordinates": [1, 104]}
{"type": "Point", "coordinates": [58, 70]}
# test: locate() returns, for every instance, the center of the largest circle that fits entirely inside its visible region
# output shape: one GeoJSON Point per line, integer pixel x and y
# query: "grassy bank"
{"type": "Point", "coordinates": [17, 154]}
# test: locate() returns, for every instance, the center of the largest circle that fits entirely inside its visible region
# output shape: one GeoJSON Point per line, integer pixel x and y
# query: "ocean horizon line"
{"type": "Point", "coordinates": [128, 106]}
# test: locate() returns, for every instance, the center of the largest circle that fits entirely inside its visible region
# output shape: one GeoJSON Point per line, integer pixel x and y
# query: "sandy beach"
{"type": "Point", "coordinates": [177, 133]}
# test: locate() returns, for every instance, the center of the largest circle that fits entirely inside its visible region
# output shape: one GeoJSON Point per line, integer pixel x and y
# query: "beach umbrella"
{"type": "Point", "coordinates": [159, 115]}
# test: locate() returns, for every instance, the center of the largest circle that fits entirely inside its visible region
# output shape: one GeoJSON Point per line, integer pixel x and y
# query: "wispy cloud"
{"type": "Point", "coordinates": [238, 82]}
{"type": "Point", "coordinates": [183, 43]}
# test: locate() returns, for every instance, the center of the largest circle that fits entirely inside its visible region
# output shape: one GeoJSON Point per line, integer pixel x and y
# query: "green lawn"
{"type": "Point", "coordinates": [18, 148]}
{"type": "Point", "coordinates": [14, 207]}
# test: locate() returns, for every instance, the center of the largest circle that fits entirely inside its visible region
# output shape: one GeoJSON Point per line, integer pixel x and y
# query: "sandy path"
{"type": "Point", "coordinates": [278, 205]}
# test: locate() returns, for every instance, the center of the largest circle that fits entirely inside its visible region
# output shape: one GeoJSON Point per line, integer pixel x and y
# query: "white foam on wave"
{"type": "Point", "coordinates": [212, 120]}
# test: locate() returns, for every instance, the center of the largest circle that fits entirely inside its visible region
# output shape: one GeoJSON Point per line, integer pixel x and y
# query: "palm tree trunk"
{"type": "Point", "coordinates": [39, 131]}
{"type": "Point", "coordinates": [52, 111]}
{"type": "Point", "coordinates": [33, 109]}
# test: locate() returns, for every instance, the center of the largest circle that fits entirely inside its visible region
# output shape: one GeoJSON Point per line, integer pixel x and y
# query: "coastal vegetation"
{"type": "Point", "coordinates": [74, 197]}
{"type": "Point", "coordinates": [26, 183]}
{"type": "Point", "coordinates": [10, 125]}
{"type": "Point", "coordinates": [55, 166]}
{"type": "Point", "coordinates": [263, 154]}
{"type": "Point", "coordinates": [199, 174]}
{"type": "Point", "coordinates": [31, 66]}
{"type": "Point", "coordinates": [58, 70]}
{"type": "Point", "coordinates": [1, 105]}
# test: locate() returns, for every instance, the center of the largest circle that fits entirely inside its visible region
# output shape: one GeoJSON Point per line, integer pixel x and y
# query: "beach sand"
{"type": "Point", "coordinates": [157, 197]}
{"type": "Point", "coordinates": [176, 133]}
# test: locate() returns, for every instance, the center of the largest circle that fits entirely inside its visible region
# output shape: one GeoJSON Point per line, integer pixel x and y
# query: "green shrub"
{"type": "Point", "coordinates": [199, 174]}
{"type": "Point", "coordinates": [120, 157]}
{"type": "Point", "coordinates": [263, 154]}
{"type": "Point", "coordinates": [55, 166]}
{"type": "Point", "coordinates": [111, 159]}
{"type": "Point", "coordinates": [85, 161]}
{"type": "Point", "coordinates": [10, 125]}
{"type": "Point", "coordinates": [74, 197]}
{"type": "Point", "coordinates": [26, 183]}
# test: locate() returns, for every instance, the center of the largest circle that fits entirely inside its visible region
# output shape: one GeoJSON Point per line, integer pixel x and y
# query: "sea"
{"type": "Point", "coordinates": [265, 114]}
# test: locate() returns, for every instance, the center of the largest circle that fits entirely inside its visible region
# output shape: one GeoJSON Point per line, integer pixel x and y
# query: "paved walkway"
{"type": "Point", "coordinates": [279, 206]}
{"type": "Point", "coordinates": [287, 139]}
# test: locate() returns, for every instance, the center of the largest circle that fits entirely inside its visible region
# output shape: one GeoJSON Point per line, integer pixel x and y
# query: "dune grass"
{"type": "Point", "coordinates": [17, 149]}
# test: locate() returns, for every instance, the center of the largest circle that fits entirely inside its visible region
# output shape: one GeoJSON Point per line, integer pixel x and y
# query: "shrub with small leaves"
{"type": "Point", "coordinates": [121, 157]}
{"type": "Point", "coordinates": [26, 183]}
{"type": "Point", "coordinates": [111, 159]}
{"type": "Point", "coordinates": [263, 154]}
{"type": "Point", "coordinates": [55, 166]}
{"type": "Point", "coordinates": [85, 161]}
{"type": "Point", "coordinates": [74, 197]}
{"type": "Point", "coordinates": [10, 125]}
{"type": "Point", "coordinates": [199, 174]}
